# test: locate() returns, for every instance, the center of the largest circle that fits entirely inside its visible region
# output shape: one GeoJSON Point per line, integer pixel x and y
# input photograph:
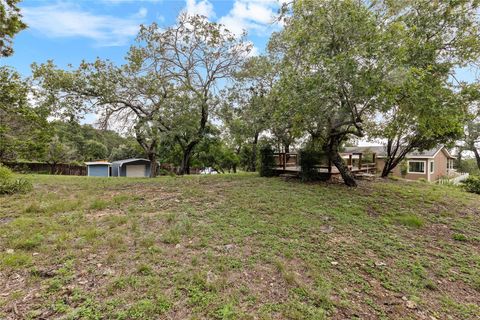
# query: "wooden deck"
{"type": "Point", "coordinates": [288, 163]}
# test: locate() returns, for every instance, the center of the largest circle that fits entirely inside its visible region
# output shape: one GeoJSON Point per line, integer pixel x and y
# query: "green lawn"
{"type": "Point", "coordinates": [238, 247]}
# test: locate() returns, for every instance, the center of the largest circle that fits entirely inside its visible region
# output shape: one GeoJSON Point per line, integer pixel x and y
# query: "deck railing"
{"type": "Point", "coordinates": [285, 160]}
{"type": "Point", "coordinates": [364, 167]}
{"type": "Point", "coordinates": [291, 160]}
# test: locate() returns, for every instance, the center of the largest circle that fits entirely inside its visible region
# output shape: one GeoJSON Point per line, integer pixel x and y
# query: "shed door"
{"type": "Point", "coordinates": [136, 170]}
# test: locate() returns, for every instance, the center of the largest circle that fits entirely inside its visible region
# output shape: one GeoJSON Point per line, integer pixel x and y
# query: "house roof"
{"type": "Point", "coordinates": [378, 150]}
{"type": "Point", "coordinates": [122, 162]}
{"type": "Point", "coordinates": [93, 163]}
{"type": "Point", "coordinates": [381, 151]}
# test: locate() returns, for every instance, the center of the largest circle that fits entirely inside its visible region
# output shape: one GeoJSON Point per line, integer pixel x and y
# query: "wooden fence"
{"type": "Point", "coordinates": [37, 167]}
{"type": "Point", "coordinates": [73, 170]}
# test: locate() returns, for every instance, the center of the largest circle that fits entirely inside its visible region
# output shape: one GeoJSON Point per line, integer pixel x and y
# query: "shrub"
{"type": "Point", "coordinates": [10, 185]}
{"type": "Point", "coordinates": [472, 184]}
{"type": "Point", "coordinates": [165, 172]}
{"type": "Point", "coordinates": [459, 237]}
{"type": "Point", "coordinates": [5, 173]}
{"type": "Point", "coordinates": [267, 162]}
{"type": "Point", "coordinates": [403, 168]}
{"type": "Point", "coordinates": [309, 161]}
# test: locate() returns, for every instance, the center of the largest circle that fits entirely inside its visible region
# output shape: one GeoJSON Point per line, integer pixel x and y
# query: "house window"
{"type": "Point", "coordinates": [450, 164]}
{"type": "Point", "coordinates": [432, 167]}
{"type": "Point", "coordinates": [416, 166]}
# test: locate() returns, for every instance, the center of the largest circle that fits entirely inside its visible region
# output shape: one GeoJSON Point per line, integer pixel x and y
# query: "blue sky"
{"type": "Point", "coordinates": [68, 31]}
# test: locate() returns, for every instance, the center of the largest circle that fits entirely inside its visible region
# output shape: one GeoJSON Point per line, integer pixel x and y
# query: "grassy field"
{"type": "Point", "coordinates": [238, 247]}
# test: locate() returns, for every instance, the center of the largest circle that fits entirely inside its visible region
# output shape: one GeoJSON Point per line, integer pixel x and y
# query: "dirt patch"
{"type": "Point", "coordinates": [98, 214]}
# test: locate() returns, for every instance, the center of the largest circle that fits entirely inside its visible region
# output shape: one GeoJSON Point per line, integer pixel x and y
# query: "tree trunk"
{"type": "Point", "coordinates": [52, 168]}
{"type": "Point", "coordinates": [187, 153]}
{"type": "Point", "coordinates": [387, 168]}
{"type": "Point", "coordinates": [477, 156]}
{"type": "Point", "coordinates": [393, 160]}
{"type": "Point", "coordinates": [153, 164]}
{"type": "Point", "coordinates": [253, 159]}
{"type": "Point", "coordinates": [390, 164]}
{"type": "Point", "coordinates": [337, 160]}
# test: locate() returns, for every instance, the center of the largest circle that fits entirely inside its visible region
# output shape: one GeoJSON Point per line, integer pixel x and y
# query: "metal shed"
{"type": "Point", "coordinates": [131, 168]}
{"type": "Point", "coordinates": [98, 168]}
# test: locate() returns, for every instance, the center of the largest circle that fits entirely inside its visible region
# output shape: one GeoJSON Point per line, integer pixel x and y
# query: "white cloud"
{"type": "Point", "coordinates": [201, 7]}
{"type": "Point", "coordinates": [251, 15]}
{"type": "Point", "coordinates": [115, 2]}
{"type": "Point", "coordinates": [67, 20]}
{"type": "Point", "coordinates": [142, 13]}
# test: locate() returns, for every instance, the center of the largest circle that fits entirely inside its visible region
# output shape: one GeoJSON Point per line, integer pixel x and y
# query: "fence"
{"type": "Point", "coordinates": [73, 170]}
{"type": "Point", "coordinates": [176, 170]}
{"type": "Point", "coordinates": [455, 180]}
{"type": "Point", "coordinates": [37, 167]}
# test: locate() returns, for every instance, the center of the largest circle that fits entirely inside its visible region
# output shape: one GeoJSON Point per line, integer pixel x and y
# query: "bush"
{"type": "Point", "coordinates": [15, 186]}
{"type": "Point", "coordinates": [309, 160]}
{"type": "Point", "coordinates": [459, 237]}
{"type": "Point", "coordinates": [403, 168]}
{"type": "Point", "coordinates": [10, 185]}
{"type": "Point", "coordinates": [165, 172]}
{"type": "Point", "coordinates": [5, 173]}
{"type": "Point", "coordinates": [472, 184]}
{"type": "Point", "coordinates": [267, 162]}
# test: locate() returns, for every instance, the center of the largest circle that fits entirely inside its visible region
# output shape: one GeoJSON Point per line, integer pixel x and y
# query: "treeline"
{"type": "Point", "coordinates": [337, 71]}
{"type": "Point", "coordinates": [27, 135]}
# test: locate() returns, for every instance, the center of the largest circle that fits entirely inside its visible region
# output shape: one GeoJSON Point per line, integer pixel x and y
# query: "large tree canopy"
{"type": "Point", "coordinates": [333, 64]}
{"type": "Point", "coordinates": [10, 25]}
{"type": "Point", "coordinates": [381, 68]}
{"type": "Point", "coordinates": [23, 129]}
{"type": "Point", "coordinates": [247, 109]}
{"type": "Point", "coordinates": [427, 41]}
{"type": "Point", "coordinates": [196, 55]}
{"type": "Point", "coordinates": [166, 90]}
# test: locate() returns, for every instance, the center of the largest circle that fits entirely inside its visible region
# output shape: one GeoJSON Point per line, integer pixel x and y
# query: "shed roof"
{"type": "Point", "coordinates": [93, 163]}
{"type": "Point", "coordinates": [121, 162]}
{"type": "Point", "coordinates": [381, 151]}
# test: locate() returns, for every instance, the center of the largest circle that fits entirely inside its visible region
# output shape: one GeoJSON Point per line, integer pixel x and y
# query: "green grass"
{"type": "Point", "coordinates": [412, 221]}
{"type": "Point", "coordinates": [238, 247]}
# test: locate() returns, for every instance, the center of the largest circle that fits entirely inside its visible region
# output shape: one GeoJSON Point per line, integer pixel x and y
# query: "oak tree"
{"type": "Point", "coordinates": [10, 25]}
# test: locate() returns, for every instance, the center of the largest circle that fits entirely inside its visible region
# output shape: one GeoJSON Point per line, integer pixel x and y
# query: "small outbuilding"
{"type": "Point", "coordinates": [131, 168]}
{"type": "Point", "coordinates": [98, 169]}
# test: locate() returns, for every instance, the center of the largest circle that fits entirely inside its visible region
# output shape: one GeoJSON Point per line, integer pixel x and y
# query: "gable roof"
{"type": "Point", "coordinates": [122, 162]}
{"type": "Point", "coordinates": [381, 151]}
{"type": "Point", "coordinates": [93, 163]}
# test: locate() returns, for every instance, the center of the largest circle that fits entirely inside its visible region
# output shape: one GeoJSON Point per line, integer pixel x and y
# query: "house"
{"type": "Point", "coordinates": [131, 168]}
{"type": "Point", "coordinates": [428, 164]}
{"type": "Point", "coordinates": [98, 169]}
